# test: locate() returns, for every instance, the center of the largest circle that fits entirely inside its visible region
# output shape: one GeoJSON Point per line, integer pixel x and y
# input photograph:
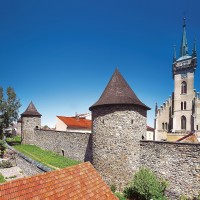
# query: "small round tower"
{"type": "Point", "coordinates": [119, 123]}
{"type": "Point", "coordinates": [31, 120]}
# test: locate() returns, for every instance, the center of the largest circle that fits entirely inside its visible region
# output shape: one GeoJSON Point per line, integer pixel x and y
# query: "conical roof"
{"type": "Point", "coordinates": [31, 111]}
{"type": "Point", "coordinates": [118, 92]}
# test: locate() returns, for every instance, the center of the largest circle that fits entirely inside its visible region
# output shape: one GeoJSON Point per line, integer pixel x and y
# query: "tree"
{"type": "Point", "coordinates": [9, 108]}
{"type": "Point", "coordinates": [145, 186]}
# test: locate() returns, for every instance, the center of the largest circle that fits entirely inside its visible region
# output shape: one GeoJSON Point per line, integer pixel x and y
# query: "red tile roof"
{"type": "Point", "coordinates": [81, 182]}
{"type": "Point", "coordinates": [75, 122]}
{"type": "Point", "coordinates": [191, 137]}
{"type": "Point", "coordinates": [150, 128]}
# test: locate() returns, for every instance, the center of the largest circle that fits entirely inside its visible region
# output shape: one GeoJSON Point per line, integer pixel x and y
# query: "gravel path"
{"type": "Point", "coordinates": [12, 173]}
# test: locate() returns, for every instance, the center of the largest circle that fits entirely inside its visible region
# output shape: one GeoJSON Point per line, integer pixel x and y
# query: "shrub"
{"type": "Point", "coordinates": [113, 188]}
{"type": "Point", "coordinates": [5, 164]}
{"type": "Point", "coordinates": [145, 185]}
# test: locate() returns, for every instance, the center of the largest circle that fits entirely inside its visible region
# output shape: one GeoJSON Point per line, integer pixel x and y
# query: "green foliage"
{"type": "Point", "coordinates": [145, 185]}
{"type": "Point", "coordinates": [2, 180]}
{"type": "Point", "coordinates": [5, 164]}
{"type": "Point", "coordinates": [15, 139]}
{"type": "Point", "coordinates": [113, 188]}
{"type": "Point", "coordinates": [9, 108]}
{"type": "Point", "coordinates": [48, 158]}
{"type": "Point", "coordinates": [120, 196]}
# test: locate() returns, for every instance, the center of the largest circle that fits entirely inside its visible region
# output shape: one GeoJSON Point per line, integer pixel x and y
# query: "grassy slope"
{"type": "Point", "coordinates": [2, 180]}
{"type": "Point", "coordinates": [48, 158]}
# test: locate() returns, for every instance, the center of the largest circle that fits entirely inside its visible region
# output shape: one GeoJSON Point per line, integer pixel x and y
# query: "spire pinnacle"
{"type": "Point", "coordinates": [174, 56]}
{"type": "Point", "coordinates": [184, 46]}
{"type": "Point", "coordinates": [194, 51]}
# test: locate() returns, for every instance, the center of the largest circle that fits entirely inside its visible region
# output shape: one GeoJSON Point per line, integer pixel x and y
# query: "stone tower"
{"type": "Point", "coordinates": [31, 120]}
{"type": "Point", "coordinates": [119, 122]}
{"type": "Point", "coordinates": [184, 94]}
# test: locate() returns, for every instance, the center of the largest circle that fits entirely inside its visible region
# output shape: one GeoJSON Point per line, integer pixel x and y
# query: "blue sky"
{"type": "Point", "coordinates": [61, 54]}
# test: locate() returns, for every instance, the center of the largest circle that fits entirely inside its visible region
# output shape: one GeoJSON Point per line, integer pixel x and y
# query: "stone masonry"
{"type": "Point", "coordinates": [178, 163]}
{"type": "Point", "coordinates": [117, 131]}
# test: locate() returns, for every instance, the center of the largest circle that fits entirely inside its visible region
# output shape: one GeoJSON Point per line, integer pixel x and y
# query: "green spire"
{"type": "Point", "coordinates": [194, 51]}
{"type": "Point", "coordinates": [184, 46]}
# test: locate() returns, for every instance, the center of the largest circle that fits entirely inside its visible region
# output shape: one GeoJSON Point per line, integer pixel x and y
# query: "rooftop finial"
{"type": "Point", "coordinates": [184, 19]}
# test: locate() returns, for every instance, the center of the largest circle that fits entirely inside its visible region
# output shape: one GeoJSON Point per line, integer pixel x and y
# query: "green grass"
{"type": "Point", "coordinates": [48, 158]}
{"type": "Point", "coordinates": [15, 139]}
{"type": "Point", "coordinates": [120, 196]}
{"type": "Point", "coordinates": [2, 180]}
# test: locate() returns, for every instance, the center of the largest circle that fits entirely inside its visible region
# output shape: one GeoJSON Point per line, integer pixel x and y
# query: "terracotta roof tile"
{"type": "Point", "coordinates": [78, 182]}
{"type": "Point", "coordinates": [74, 122]}
{"type": "Point", "coordinates": [191, 137]}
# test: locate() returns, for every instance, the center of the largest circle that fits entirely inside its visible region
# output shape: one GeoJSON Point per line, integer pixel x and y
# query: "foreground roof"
{"type": "Point", "coordinates": [31, 111]}
{"type": "Point", "coordinates": [118, 92]}
{"type": "Point", "coordinates": [78, 182]}
{"type": "Point", "coordinates": [76, 122]}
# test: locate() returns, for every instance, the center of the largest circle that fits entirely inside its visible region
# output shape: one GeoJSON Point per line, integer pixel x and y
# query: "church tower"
{"type": "Point", "coordinates": [180, 113]}
{"type": "Point", "coordinates": [184, 94]}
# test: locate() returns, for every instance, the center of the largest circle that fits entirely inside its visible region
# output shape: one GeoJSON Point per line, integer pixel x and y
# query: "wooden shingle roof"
{"type": "Point", "coordinates": [80, 182]}
{"type": "Point", "coordinates": [31, 111]}
{"type": "Point", "coordinates": [118, 92]}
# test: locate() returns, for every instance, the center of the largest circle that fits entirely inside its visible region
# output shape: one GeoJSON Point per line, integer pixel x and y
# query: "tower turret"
{"type": "Point", "coordinates": [31, 119]}
{"type": "Point", "coordinates": [119, 122]}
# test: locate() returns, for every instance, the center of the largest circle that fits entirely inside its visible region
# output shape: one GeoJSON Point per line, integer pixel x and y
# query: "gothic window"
{"type": "Point", "coordinates": [166, 127]}
{"type": "Point", "coordinates": [163, 126]}
{"type": "Point", "coordinates": [181, 105]}
{"type": "Point", "coordinates": [183, 122]}
{"type": "Point", "coordinates": [184, 105]}
{"type": "Point", "coordinates": [183, 87]}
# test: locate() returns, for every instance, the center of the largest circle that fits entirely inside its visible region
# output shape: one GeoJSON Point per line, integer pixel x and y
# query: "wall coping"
{"type": "Point", "coordinates": [62, 131]}
{"type": "Point", "coordinates": [168, 142]}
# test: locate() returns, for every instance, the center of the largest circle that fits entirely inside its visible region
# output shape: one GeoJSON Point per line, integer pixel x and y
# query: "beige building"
{"type": "Point", "coordinates": [180, 114]}
{"type": "Point", "coordinates": [78, 123]}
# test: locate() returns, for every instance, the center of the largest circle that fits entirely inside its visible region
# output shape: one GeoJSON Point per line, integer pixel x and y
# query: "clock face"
{"type": "Point", "coordinates": [184, 75]}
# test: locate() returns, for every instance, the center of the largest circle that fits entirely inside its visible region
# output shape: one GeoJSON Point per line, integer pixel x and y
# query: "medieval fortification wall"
{"type": "Point", "coordinates": [74, 145]}
{"type": "Point", "coordinates": [178, 163]}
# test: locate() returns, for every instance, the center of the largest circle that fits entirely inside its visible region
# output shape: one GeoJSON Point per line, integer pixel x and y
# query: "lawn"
{"type": "Point", "coordinates": [48, 158]}
{"type": "Point", "coordinates": [2, 180]}
{"type": "Point", "coordinates": [13, 140]}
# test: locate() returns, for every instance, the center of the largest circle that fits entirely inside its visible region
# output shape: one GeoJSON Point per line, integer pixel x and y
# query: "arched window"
{"type": "Point", "coordinates": [166, 127]}
{"type": "Point", "coordinates": [184, 105]}
{"type": "Point", "coordinates": [183, 122]}
{"type": "Point", "coordinates": [163, 126]}
{"type": "Point", "coordinates": [181, 105]}
{"type": "Point", "coordinates": [183, 87]}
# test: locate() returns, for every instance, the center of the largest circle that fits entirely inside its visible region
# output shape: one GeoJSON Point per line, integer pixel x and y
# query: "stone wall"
{"type": "Point", "coordinates": [29, 124]}
{"type": "Point", "coordinates": [117, 131]}
{"type": "Point", "coordinates": [70, 144]}
{"type": "Point", "coordinates": [179, 163]}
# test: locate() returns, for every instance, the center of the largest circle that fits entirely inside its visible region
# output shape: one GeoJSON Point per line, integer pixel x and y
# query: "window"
{"type": "Point", "coordinates": [163, 126]}
{"type": "Point", "coordinates": [183, 122]}
{"type": "Point", "coordinates": [181, 105]}
{"type": "Point", "coordinates": [184, 105]}
{"type": "Point", "coordinates": [183, 87]}
{"type": "Point", "coordinates": [197, 127]}
{"type": "Point", "coordinates": [166, 127]}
